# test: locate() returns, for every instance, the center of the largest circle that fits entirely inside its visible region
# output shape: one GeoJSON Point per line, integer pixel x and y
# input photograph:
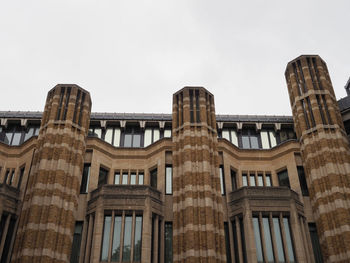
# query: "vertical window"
{"type": "Point", "coordinates": [102, 177]}
{"type": "Point", "coordinates": [151, 135]}
{"type": "Point", "coordinates": [259, 251]}
{"type": "Point", "coordinates": [268, 180]}
{"type": "Point", "coordinates": [222, 180]}
{"type": "Point", "coordinates": [230, 135]}
{"type": "Point", "coordinates": [6, 176]}
{"type": "Point", "coordinates": [105, 239]}
{"type": "Point", "coordinates": [12, 176]}
{"type": "Point", "coordinates": [137, 242]}
{"type": "Point", "coordinates": [252, 180]}
{"type": "Point", "coordinates": [191, 107]}
{"type": "Point", "coordinates": [85, 178]}
{"type": "Point", "coordinates": [116, 238]}
{"type": "Point", "coordinates": [278, 236]}
{"type": "Point", "coordinates": [227, 243]}
{"type": "Point", "coordinates": [244, 249]}
{"type": "Point", "coordinates": [288, 239]}
{"type": "Point", "coordinates": [268, 239]}
{"type": "Point", "coordinates": [31, 131]}
{"type": "Point", "coordinates": [302, 181]}
{"type": "Point", "coordinates": [283, 178]}
{"type": "Point", "coordinates": [235, 240]}
{"type": "Point", "coordinates": [112, 136]}
{"type": "Point", "coordinates": [260, 180]}
{"type": "Point", "coordinates": [153, 174]}
{"type": "Point", "coordinates": [249, 139]}
{"type": "Point", "coordinates": [141, 178]}
{"type": "Point", "coordinates": [168, 242]}
{"type": "Point", "coordinates": [127, 239]}
{"type": "Point", "coordinates": [132, 137]}
{"type": "Point", "coordinates": [268, 139]}
{"type": "Point", "coordinates": [167, 133]}
{"type": "Point", "coordinates": [133, 178]}
{"type": "Point", "coordinates": [21, 174]}
{"type": "Point", "coordinates": [168, 179]}
{"type": "Point", "coordinates": [233, 180]}
{"type": "Point", "coordinates": [125, 178]}
{"type": "Point", "coordinates": [95, 132]}
{"type": "Point", "coordinates": [74, 258]}
{"type": "Point", "coordinates": [315, 243]}
{"type": "Point", "coordinates": [117, 178]}
{"type": "Point", "coordinates": [244, 180]}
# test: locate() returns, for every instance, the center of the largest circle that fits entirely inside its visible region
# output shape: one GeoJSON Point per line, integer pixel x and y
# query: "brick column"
{"type": "Point", "coordinates": [198, 218]}
{"type": "Point", "coordinates": [325, 152]}
{"type": "Point", "coordinates": [46, 225]}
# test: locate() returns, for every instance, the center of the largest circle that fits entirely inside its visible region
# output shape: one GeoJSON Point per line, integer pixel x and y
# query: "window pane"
{"type": "Point", "coordinates": [138, 234]}
{"type": "Point", "coordinates": [37, 131]}
{"type": "Point", "coordinates": [116, 238]}
{"type": "Point", "coordinates": [222, 180]}
{"type": "Point", "coordinates": [226, 134]}
{"type": "Point", "coordinates": [74, 258]}
{"type": "Point", "coordinates": [167, 133]}
{"type": "Point", "coordinates": [260, 180]}
{"type": "Point", "coordinates": [116, 141]}
{"type": "Point", "coordinates": [125, 178]}
{"type": "Point", "coordinates": [156, 135]}
{"type": "Point", "coordinates": [288, 239]}
{"type": "Point", "coordinates": [168, 236]}
{"type": "Point", "coordinates": [259, 253]}
{"type": "Point", "coordinates": [245, 180]}
{"type": "Point", "coordinates": [272, 138]}
{"type": "Point", "coordinates": [153, 174]}
{"type": "Point", "coordinates": [148, 137]}
{"type": "Point", "coordinates": [8, 137]}
{"type": "Point", "coordinates": [140, 178]}
{"type": "Point", "coordinates": [252, 180]}
{"type": "Point", "coordinates": [29, 134]}
{"type": "Point", "coordinates": [227, 243]}
{"type": "Point", "coordinates": [233, 180]}
{"type": "Point", "coordinates": [127, 239]}
{"type": "Point", "coordinates": [279, 244]}
{"type": "Point", "coordinates": [127, 140]}
{"type": "Point", "coordinates": [168, 179]}
{"type": "Point", "coordinates": [245, 142]}
{"type": "Point", "coordinates": [283, 178]}
{"type": "Point", "coordinates": [109, 135]}
{"type": "Point", "coordinates": [132, 178]}
{"type": "Point", "coordinates": [268, 240]}
{"type": "Point", "coordinates": [16, 138]}
{"type": "Point", "coordinates": [85, 179]}
{"type": "Point", "coordinates": [268, 180]}
{"type": "Point", "coordinates": [264, 140]}
{"type": "Point", "coordinates": [315, 243]}
{"type": "Point", "coordinates": [302, 181]}
{"type": "Point", "coordinates": [254, 142]}
{"type": "Point", "coordinates": [103, 176]}
{"type": "Point", "coordinates": [234, 138]}
{"type": "Point", "coordinates": [137, 140]}
{"type": "Point", "coordinates": [105, 239]}
{"type": "Point", "coordinates": [117, 178]}
{"type": "Point", "coordinates": [98, 132]}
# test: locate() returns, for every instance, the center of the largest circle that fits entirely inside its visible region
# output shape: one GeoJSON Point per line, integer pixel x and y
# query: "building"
{"type": "Point", "coordinates": [191, 186]}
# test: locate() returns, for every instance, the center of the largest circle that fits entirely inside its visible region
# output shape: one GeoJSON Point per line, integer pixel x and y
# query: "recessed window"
{"type": "Point", "coordinates": [74, 258]}
{"type": "Point", "coordinates": [112, 136]}
{"type": "Point", "coordinates": [131, 137]}
{"type": "Point", "coordinates": [117, 178]}
{"type": "Point", "coordinates": [244, 179]}
{"type": "Point", "coordinates": [302, 181]}
{"type": "Point", "coordinates": [252, 180]}
{"type": "Point", "coordinates": [233, 180]}
{"type": "Point", "coordinates": [283, 178]}
{"type": "Point", "coordinates": [102, 177]}
{"type": "Point", "coordinates": [268, 139]}
{"type": "Point", "coordinates": [125, 178]}
{"type": "Point", "coordinates": [141, 178]}
{"type": "Point", "coordinates": [268, 180]}
{"type": "Point", "coordinates": [260, 180]}
{"type": "Point", "coordinates": [84, 186]}
{"type": "Point", "coordinates": [151, 135]}
{"type": "Point", "coordinates": [222, 180]}
{"type": "Point", "coordinates": [250, 139]}
{"type": "Point", "coordinates": [168, 179]}
{"type": "Point", "coordinates": [168, 242]}
{"type": "Point", "coordinates": [230, 135]}
{"type": "Point", "coordinates": [153, 175]}
{"type": "Point", "coordinates": [133, 178]}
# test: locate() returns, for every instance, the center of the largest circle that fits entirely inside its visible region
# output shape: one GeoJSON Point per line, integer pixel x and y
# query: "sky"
{"type": "Point", "coordinates": [133, 55]}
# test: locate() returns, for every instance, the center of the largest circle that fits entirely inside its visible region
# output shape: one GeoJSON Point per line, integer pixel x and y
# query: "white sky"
{"type": "Point", "coordinates": [133, 55]}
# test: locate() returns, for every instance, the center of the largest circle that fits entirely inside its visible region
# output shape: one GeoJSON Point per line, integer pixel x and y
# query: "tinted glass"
{"type": "Point", "coordinates": [168, 236]}
{"type": "Point", "coordinates": [283, 178]}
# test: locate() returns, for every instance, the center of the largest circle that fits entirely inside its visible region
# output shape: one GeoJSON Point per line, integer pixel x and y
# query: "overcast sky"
{"type": "Point", "coordinates": [133, 55]}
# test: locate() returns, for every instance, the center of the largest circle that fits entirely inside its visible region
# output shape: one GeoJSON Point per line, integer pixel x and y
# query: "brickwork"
{"type": "Point", "coordinates": [46, 225]}
{"type": "Point", "coordinates": [198, 234]}
{"type": "Point", "coordinates": [325, 152]}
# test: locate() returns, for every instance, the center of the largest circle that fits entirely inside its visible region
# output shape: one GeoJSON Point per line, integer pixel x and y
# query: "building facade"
{"type": "Point", "coordinates": [191, 186]}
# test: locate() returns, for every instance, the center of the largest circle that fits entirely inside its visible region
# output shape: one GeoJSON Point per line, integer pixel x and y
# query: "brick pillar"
{"type": "Point", "coordinates": [325, 152]}
{"type": "Point", "coordinates": [198, 234]}
{"type": "Point", "coordinates": [46, 226]}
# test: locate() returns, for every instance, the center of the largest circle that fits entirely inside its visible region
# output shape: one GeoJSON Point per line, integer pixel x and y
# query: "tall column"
{"type": "Point", "coordinates": [325, 152]}
{"type": "Point", "coordinates": [198, 218]}
{"type": "Point", "coordinates": [46, 226]}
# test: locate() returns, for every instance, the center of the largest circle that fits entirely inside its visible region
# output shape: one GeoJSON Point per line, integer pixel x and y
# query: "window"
{"type": "Point", "coordinates": [153, 175]}
{"type": "Point", "coordinates": [250, 139]}
{"type": "Point", "coordinates": [230, 135]}
{"type": "Point", "coordinates": [74, 258]}
{"type": "Point", "coordinates": [122, 238]}
{"type": "Point", "coordinates": [315, 243]}
{"type": "Point", "coordinates": [125, 178]}
{"type": "Point", "coordinates": [102, 177]}
{"type": "Point", "coordinates": [131, 137]}
{"type": "Point", "coordinates": [244, 180]}
{"type": "Point", "coordinates": [133, 178]}
{"type": "Point", "coordinates": [168, 179]}
{"type": "Point", "coordinates": [263, 238]}
{"type": "Point", "coordinates": [222, 180]}
{"type": "Point", "coordinates": [112, 136]}
{"type": "Point", "coordinates": [302, 181]}
{"type": "Point", "coordinates": [117, 178]}
{"type": "Point", "coordinates": [151, 135]}
{"type": "Point", "coordinates": [31, 131]}
{"type": "Point", "coordinates": [268, 180]}
{"type": "Point", "coordinates": [95, 131]}
{"type": "Point", "coordinates": [12, 177]}
{"type": "Point", "coordinates": [16, 135]}
{"type": "Point", "coordinates": [286, 134]}
{"type": "Point", "coordinates": [283, 179]}
{"type": "Point", "coordinates": [227, 243]}
{"type": "Point", "coordinates": [21, 174]}
{"type": "Point", "coordinates": [252, 179]}
{"type": "Point", "coordinates": [268, 139]}
{"type": "Point", "coordinates": [167, 133]}
{"type": "Point", "coordinates": [141, 176]}
{"type": "Point", "coordinates": [84, 187]}
{"type": "Point", "coordinates": [168, 242]}
{"type": "Point", "coordinates": [233, 180]}
{"type": "Point", "coordinates": [260, 180]}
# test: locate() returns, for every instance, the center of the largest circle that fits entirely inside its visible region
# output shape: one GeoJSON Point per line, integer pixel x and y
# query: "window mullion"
{"type": "Point", "coordinates": [122, 237]}
{"type": "Point", "coordinates": [111, 238]}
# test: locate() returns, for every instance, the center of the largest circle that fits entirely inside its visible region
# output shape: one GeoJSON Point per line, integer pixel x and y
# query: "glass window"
{"type": "Point", "coordinates": [244, 180]}
{"type": "Point", "coordinates": [133, 178]}
{"type": "Point", "coordinates": [132, 137]}
{"type": "Point", "coordinates": [268, 179]}
{"type": "Point", "coordinates": [252, 179]}
{"type": "Point", "coordinates": [288, 239]}
{"type": "Point", "coordinates": [125, 178]}
{"type": "Point", "coordinates": [227, 243]}
{"type": "Point", "coordinates": [85, 179]}
{"type": "Point", "coordinates": [137, 140]}
{"type": "Point", "coordinates": [103, 177]}
{"type": "Point", "coordinates": [226, 134]}
{"type": "Point", "coordinates": [260, 180]}
{"type": "Point", "coordinates": [268, 240]}
{"type": "Point", "coordinates": [265, 140]}
{"type": "Point", "coordinates": [234, 138]}
{"type": "Point", "coordinates": [148, 137]}
{"type": "Point", "coordinates": [98, 132]}
{"type": "Point", "coordinates": [137, 242]}
{"type": "Point", "coordinates": [29, 133]}
{"type": "Point", "coordinates": [233, 180]}
{"type": "Point", "coordinates": [127, 239]}
{"type": "Point", "coordinates": [109, 135]}
{"type": "Point", "coordinates": [8, 137]}
{"type": "Point", "coordinates": [167, 133]}
{"type": "Point", "coordinates": [116, 140]}
{"type": "Point", "coordinates": [153, 175]}
{"type": "Point", "coordinates": [141, 178]}
{"type": "Point", "coordinates": [127, 140]}
{"type": "Point", "coordinates": [222, 182]}
{"type": "Point", "coordinates": [156, 135]}
{"type": "Point", "coordinates": [168, 179]}
{"type": "Point", "coordinates": [259, 251]}
{"type": "Point", "coordinates": [16, 138]}
{"type": "Point", "coordinates": [168, 242]}
{"type": "Point", "coordinates": [74, 258]}
{"type": "Point", "coordinates": [273, 138]}
{"type": "Point", "coordinates": [105, 240]}
{"type": "Point", "coordinates": [302, 181]}
{"type": "Point", "coordinates": [116, 238]}
{"type": "Point", "coordinates": [283, 178]}
{"type": "Point", "coordinates": [278, 236]}
{"type": "Point", "coordinates": [20, 177]}
{"type": "Point", "coordinates": [250, 139]}
{"type": "Point", "coordinates": [117, 178]}
{"type": "Point", "coordinates": [315, 243]}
